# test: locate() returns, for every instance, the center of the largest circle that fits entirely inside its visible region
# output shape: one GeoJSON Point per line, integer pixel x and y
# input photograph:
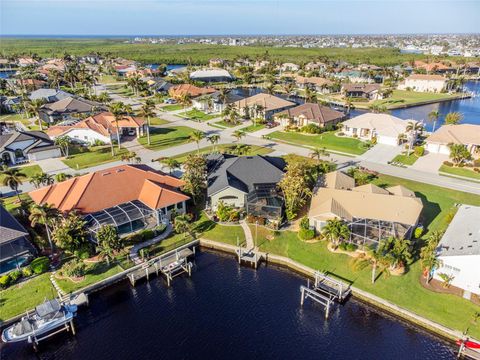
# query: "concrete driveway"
{"type": "Point", "coordinates": [381, 153]}
{"type": "Point", "coordinates": [430, 162]}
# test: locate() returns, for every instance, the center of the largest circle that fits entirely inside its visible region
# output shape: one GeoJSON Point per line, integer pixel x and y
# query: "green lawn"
{"type": "Point", "coordinates": [157, 121]}
{"type": "Point", "coordinates": [405, 159]}
{"type": "Point", "coordinates": [25, 296]}
{"type": "Point", "coordinates": [225, 124]}
{"type": "Point", "coordinates": [28, 170]}
{"type": "Point", "coordinates": [405, 291]}
{"type": "Point", "coordinates": [253, 128]}
{"type": "Point", "coordinates": [255, 150]}
{"type": "Point", "coordinates": [402, 97]}
{"type": "Point", "coordinates": [212, 231]}
{"type": "Point", "coordinates": [162, 138]}
{"type": "Point", "coordinates": [328, 140]}
{"type": "Point", "coordinates": [198, 115]}
{"type": "Point", "coordinates": [465, 172]}
{"type": "Point", "coordinates": [95, 272]}
{"type": "Point", "coordinates": [107, 79]}
{"type": "Point", "coordinates": [11, 118]}
{"type": "Point", "coordinates": [87, 157]}
{"type": "Point", "coordinates": [171, 107]}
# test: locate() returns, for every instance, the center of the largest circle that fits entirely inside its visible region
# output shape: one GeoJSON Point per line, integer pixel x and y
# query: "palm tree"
{"type": "Point", "coordinates": [47, 179]}
{"type": "Point", "coordinates": [336, 230]}
{"type": "Point", "coordinates": [182, 224]}
{"type": "Point", "coordinates": [34, 108]}
{"type": "Point", "coordinates": [118, 111]}
{"type": "Point", "coordinates": [238, 134]}
{"type": "Point", "coordinates": [413, 127]}
{"type": "Point", "coordinates": [13, 178]}
{"type": "Point", "coordinates": [317, 153]}
{"type": "Point", "coordinates": [147, 112]}
{"type": "Point", "coordinates": [63, 142]}
{"type": "Point", "coordinates": [214, 139]}
{"type": "Point", "coordinates": [453, 118]}
{"type": "Point", "coordinates": [433, 116]}
{"type": "Point", "coordinates": [197, 136]}
{"type": "Point", "coordinates": [59, 177]}
{"type": "Point", "coordinates": [233, 116]}
{"type": "Point", "coordinates": [288, 88]}
{"type": "Point", "coordinates": [43, 214]}
{"type": "Point", "coordinates": [310, 96]}
{"type": "Point", "coordinates": [373, 258]}
{"type": "Point", "coordinates": [185, 101]}
{"type": "Point", "coordinates": [171, 163]}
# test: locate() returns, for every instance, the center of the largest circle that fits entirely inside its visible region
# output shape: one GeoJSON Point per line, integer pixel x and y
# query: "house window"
{"type": "Point", "coordinates": [18, 153]}
{"type": "Point", "coordinates": [170, 207]}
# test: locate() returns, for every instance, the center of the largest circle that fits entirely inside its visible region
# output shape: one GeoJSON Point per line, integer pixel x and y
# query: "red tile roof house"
{"type": "Point", "coordinates": [129, 197]}
{"type": "Point", "coordinates": [101, 127]}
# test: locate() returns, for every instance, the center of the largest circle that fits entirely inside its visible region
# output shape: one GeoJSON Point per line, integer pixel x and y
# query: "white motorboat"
{"type": "Point", "coordinates": [47, 317]}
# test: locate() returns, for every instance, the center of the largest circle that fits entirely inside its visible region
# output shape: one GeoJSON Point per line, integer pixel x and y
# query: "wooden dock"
{"type": "Point", "coordinates": [171, 265]}
{"type": "Point", "coordinates": [325, 301]}
{"type": "Point", "coordinates": [331, 287]}
{"type": "Point", "coordinates": [251, 257]}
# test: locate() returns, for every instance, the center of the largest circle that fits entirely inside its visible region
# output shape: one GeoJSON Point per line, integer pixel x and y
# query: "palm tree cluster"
{"type": "Point", "coordinates": [428, 256]}
{"type": "Point", "coordinates": [13, 178]}
{"type": "Point", "coordinates": [41, 179]}
{"type": "Point", "coordinates": [119, 110]}
{"type": "Point", "coordinates": [230, 114]}
{"type": "Point", "coordinates": [147, 111]}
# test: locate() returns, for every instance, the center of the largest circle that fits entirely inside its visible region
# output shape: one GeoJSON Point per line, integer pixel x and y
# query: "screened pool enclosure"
{"type": "Point", "coordinates": [265, 202]}
{"type": "Point", "coordinates": [127, 217]}
{"type": "Point", "coordinates": [368, 232]}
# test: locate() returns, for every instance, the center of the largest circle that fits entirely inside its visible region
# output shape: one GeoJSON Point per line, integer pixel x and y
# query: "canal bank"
{"type": "Point", "coordinates": [371, 299]}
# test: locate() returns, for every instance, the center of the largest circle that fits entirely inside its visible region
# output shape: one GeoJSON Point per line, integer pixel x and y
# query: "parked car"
{"type": "Point", "coordinates": [272, 124]}
{"type": "Point", "coordinates": [170, 101]}
{"type": "Point", "coordinates": [131, 132]}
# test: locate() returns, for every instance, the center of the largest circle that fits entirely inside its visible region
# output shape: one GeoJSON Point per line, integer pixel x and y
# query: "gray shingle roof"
{"type": "Point", "coordinates": [10, 228]}
{"type": "Point", "coordinates": [243, 172]}
{"type": "Point", "coordinates": [463, 234]}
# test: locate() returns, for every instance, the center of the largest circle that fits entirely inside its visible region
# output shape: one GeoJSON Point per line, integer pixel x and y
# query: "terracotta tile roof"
{"type": "Point", "coordinates": [106, 188]}
{"type": "Point", "coordinates": [269, 102]}
{"type": "Point", "coordinates": [191, 90]}
{"type": "Point", "coordinates": [103, 123]}
{"type": "Point", "coordinates": [317, 81]}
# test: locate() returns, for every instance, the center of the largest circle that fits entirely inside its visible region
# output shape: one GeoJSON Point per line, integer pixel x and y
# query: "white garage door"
{"type": "Point", "coordinates": [387, 140]}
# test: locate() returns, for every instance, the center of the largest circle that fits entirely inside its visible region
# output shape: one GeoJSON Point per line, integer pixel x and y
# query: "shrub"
{"type": "Point", "coordinates": [477, 170]}
{"type": "Point", "coordinates": [4, 281]}
{"type": "Point", "coordinates": [343, 246]}
{"type": "Point", "coordinates": [306, 234]}
{"type": "Point", "coordinates": [234, 216]}
{"type": "Point", "coordinates": [374, 140]}
{"type": "Point", "coordinates": [15, 275]}
{"type": "Point", "coordinates": [83, 252]}
{"type": "Point", "coordinates": [74, 268]}
{"type": "Point", "coordinates": [448, 163]}
{"type": "Point", "coordinates": [40, 265]}
{"type": "Point", "coordinates": [305, 223]}
{"type": "Point", "coordinates": [148, 234]}
{"type": "Point", "coordinates": [351, 247]}
{"type": "Point", "coordinates": [341, 133]}
{"type": "Point", "coordinates": [27, 271]}
{"type": "Point", "coordinates": [419, 150]}
{"type": "Point", "coordinates": [418, 232]}
{"type": "Point", "coordinates": [311, 129]}
{"type": "Point", "coordinates": [476, 162]}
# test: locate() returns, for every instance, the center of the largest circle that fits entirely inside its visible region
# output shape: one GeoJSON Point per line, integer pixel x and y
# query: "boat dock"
{"type": "Point", "coordinates": [170, 265]}
{"type": "Point", "coordinates": [325, 291]}
{"type": "Point", "coordinates": [251, 257]}
{"type": "Point", "coordinates": [467, 353]}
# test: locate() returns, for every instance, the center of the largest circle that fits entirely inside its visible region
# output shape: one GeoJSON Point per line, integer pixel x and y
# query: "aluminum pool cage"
{"type": "Point", "coordinates": [265, 202]}
{"type": "Point", "coordinates": [126, 218]}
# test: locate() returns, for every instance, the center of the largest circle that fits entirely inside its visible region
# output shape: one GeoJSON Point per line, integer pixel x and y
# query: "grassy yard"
{"type": "Point", "coordinates": [162, 138]}
{"type": "Point", "coordinates": [328, 140]}
{"type": "Point", "coordinates": [28, 170]}
{"type": "Point", "coordinates": [24, 296]}
{"type": "Point", "coordinates": [405, 291]}
{"type": "Point", "coordinates": [465, 172]}
{"type": "Point", "coordinates": [255, 150]}
{"type": "Point", "coordinates": [107, 79]}
{"type": "Point", "coordinates": [253, 128]}
{"type": "Point", "coordinates": [405, 159]}
{"type": "Point", "coordinates": [12, 118]}
{"type": "Point", "coordinates": [87, 157]}
{"type": "Point", "coordinates": [172, 107]}
{"type": "Point", "coordinates": [225, 124]}
{"type": "Point", "coordinates": [198, 115]}
{"type": "Point", "coordinates": [11, 203]}
{"type": "Point", "coordinates": [94, 273]}
{"type": "Point", "coordinates": [402, 97]}
{"type": "Point", "coordinates": [157, 121]}
{"type": "Point", "coordinates": [212, 231]}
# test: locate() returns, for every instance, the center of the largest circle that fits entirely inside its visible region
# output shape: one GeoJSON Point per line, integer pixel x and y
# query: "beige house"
{"type": "Point", "coordinates": [315, 83]}
{"type": "Point", "coordinates": [309, 113]}
{"type": "Point", "coordinates": [387, 129]}
{"type": "Point", "coordinates": [262, 105]}
{"type": "Point", "coordinates": [371, 212]}
{"type": "Point", "coordinates": [465, 134]}
{"type": "Point", "coordinates": [424, 83]}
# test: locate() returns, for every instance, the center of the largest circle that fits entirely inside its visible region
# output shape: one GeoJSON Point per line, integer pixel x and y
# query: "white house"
{"type": "Point", "coordinates": [459, 251]}
{"type": "Point", "coordinates": [387, 129]}
{"type": "Point", "coordinates": [211, 75]}
{"type": "Point", "coordinates": [23, 146]}
{"type": "Point", "coordinates": [465, 134]}
{"type": "Point", "coordinates": [424, 83]}
{"type": "Point", "coordinates": [289, 67]}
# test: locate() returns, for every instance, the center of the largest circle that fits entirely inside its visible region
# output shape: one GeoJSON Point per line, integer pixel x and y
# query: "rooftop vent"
{"type": "Point", "coordinates": [107, 173]}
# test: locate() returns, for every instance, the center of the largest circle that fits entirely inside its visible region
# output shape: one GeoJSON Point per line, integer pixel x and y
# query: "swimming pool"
{"type": "Point", "coordinates": [11, 264]}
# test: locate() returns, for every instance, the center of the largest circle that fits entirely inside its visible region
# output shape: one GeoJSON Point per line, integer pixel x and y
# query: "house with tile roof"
{"type": "Point", "coordinates": [424, 83]}
{"type": "Point", "coordinates": [69, 108]}
{"type": "Point", "coordinates": [246, 182]}
{"type": "Point", "coordinates": [371, 212]}
{"type": "Point", "coordinates": [269, 105]}
{"type": "Point", "coordinates": [310, 113]}
{"type": "Point", "coordinates": [19, 147]}
{"type": "Point", "coordinates": [385, 128]}
{"type": "Point", "coordinates": [129, 197]}
{"type": "Point", "coordinates": [314, 83]}
{"type": "Point", "coordinates": [15, 248]}
{"type": "Point", "coordinates": [100, 127]}
{"type": "Point", "coordinates": [464, 134]}
{"type": "Point", "coordinates": [458, 251]}
{"type": "Point", "coordinates": [361, 90]}
{"type": "Point", "coordinates": [192, 91]}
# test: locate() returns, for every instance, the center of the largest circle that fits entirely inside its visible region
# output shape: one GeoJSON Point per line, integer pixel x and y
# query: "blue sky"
{"type": "Point", "coordinates": [130, 17]}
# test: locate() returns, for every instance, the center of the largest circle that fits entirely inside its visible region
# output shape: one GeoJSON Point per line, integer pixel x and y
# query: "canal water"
{"type": "Point", "coordinates": [230, 312]}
